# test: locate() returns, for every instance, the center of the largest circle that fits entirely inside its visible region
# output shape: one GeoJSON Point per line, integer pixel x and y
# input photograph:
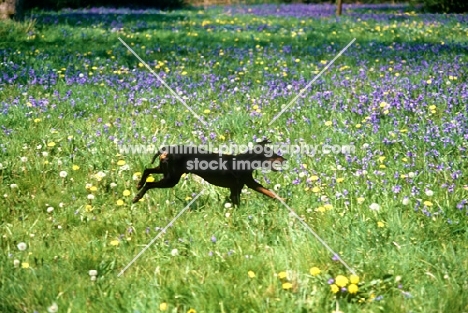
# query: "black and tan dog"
{"type": "Point", "coordinates": [223, 170]}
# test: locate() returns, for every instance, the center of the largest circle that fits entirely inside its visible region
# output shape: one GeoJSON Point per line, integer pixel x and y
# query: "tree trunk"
{"type": "Point", "coordinates": [11, 9]}
{"type": "Point", "coordinates": [339, 7]}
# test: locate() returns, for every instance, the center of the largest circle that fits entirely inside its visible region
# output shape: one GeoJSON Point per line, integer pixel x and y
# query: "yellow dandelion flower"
{"type": "Point", "coordinates": [51, 144]}
{"type": "Point", "coordinates": [114, 243]}
{"type": "Point", "coordinates": [382, 166]}
{"type": "Point", "coordinates": [282, 275]}
{"type": "Point", "coordinates": [380, 224]}
{"type": "Point", "coordinates": [93, 188]}
{"type": "Point", "coordinates": [360, 200]}
{"type": "Point", "coordinates": [334, 288]}
{"type": "Point", "coordinates": [88, 208]}
{"type": "Point", "coordinates": [328, 123]}
{"type": "Point", "coordinates": [251, 274]}
{"type": "Point", "coordinates": [340, 180]}
{"type": "Point", "coordinates": [381, 159]}
{"type": "Point", "coordinates": [37, 120]}
{"type": "Point", "coordinates": [383, 104]}
{"type": "Point", "coordinates": [354, 279]}
{"type": "Point", "coordinates": [25, 265]}
{"type": "Point", "coordinates": [358, 125]}
{"type": "Point", "coordinates": [184, 73]}
{"type": "Point", "coordinates": [404, 160]}
{"type": "Point", "coordinates": [163, 306]}
{"type": "Point", "coordinates": [75, 167]}
{"type": "Point", "coordinates": [353, 289]}
{"type": "Point", "coordinates": [320, 209]}
{"type": "Point", "coordinates": [341, 281]}
{"type": "Point", "coordinates": [316, 189]}
{"type": "Point", "coordinates": [314, 271]}
{"type": "Point", "coordinates": [221, 137]}
{"type": "Point", "coordinates": [427, 203]}
{"type": "Point", "coordinates": [428, 81]}
{"type": "Point", "coordinates": [120, 202]}
{"type": "Point", "coordinates": [432, 107]}
{"type": "Point", "coordinates": [150, 179]}
{"type": "Point", "coordinates": [314, 178]}
{"type": "Point", "coordinates": [121, 162]}
{"type": "Point", "coordinates": [286, 286]}
{"type": "Point", "coordinates": [206, 111]}
{"type": "Point", "coordinates": [192, 311]}
{"type": "Point", "coordinates": [126, 193]}
{"type": "Point", "coordinates": [328, 206]}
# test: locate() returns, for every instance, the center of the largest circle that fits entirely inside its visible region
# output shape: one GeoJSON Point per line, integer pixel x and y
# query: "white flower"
{"type": "Point", "coordinates": [323, 198]}
{"type": "Point", "coordinates": [405, 201]}
{"type": "Point", "coordinates": [277, 187]}
{"type": "Point", "coordinates": [50, 209]}
{"type": "Point", "coordinates": [16, 263]}
{"type": "Point", "coordinates": [1, 166]}
{"type": "Point", "coordinates": [59, 227]}
{"type": "Point", "coordinates": [81, 75]}
{"type": "Point", "coordinates": [63, 174]}
{"type": "Point", "coordinates": [227, 214]}
{"type": "Point", "coordinates": [175, 252]}
{"type": "Point", "coordinates": [59, 162]}
{"type": "Point", "coordinates": [124, 168]}
{"type": "Point", "coordinates": [374, 206]}
{"type": "Point", "coordinates": [113, 185]}
{"type": "Point", "coordinates": [429, 193]}
{"type": "Point", "coordinates": [100, 174]}
{"type": "Point", "coordinates": [45, 154]}
{"type": "Point", "coordinates": [22, 246]}
{"type": "Point", "coordinates": [365, 146]}
{"type": "Point", "coordinates": [24, 159]}
{"type": "Point", "coordinates": [411, 174]}
{"type": "Point", "coordinates": [302, 174]}
{"type": "Point", "coordinates": [39, 147]}
{"type": "Point", "coordinates": [227, 205]}
{"type": "Point", "coordinates": [90, 197]}
{"type": "Point", "coordinates": [162, 122]}
{"type": "Point", "coordinates": [53, 308]}
{"type": "Point", "coordinates": [61, 204]}
{"type": "Point", "coordinates": [13, 186]}
{"type": "Point", "coordinates": [92, 273]}
{"type": "Point", "coordinates": [93, 278]}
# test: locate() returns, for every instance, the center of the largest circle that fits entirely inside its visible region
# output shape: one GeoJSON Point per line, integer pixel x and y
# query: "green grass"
{"type": "Point", "coordinates": [413, 263]}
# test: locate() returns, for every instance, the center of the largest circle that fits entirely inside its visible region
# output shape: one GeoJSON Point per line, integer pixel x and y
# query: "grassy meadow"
{"type": "Point", "coordinates": [72, 97]}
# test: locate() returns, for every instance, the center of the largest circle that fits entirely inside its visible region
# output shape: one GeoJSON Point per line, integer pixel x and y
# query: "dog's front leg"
{"type": "Point", "coordinates": [146, 173]}
{"type": "Point", "coordinates": [166, 182]}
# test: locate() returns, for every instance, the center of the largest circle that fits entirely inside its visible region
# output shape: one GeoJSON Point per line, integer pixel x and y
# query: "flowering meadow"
{"type": "Point", "coordinates": [395, 208]}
